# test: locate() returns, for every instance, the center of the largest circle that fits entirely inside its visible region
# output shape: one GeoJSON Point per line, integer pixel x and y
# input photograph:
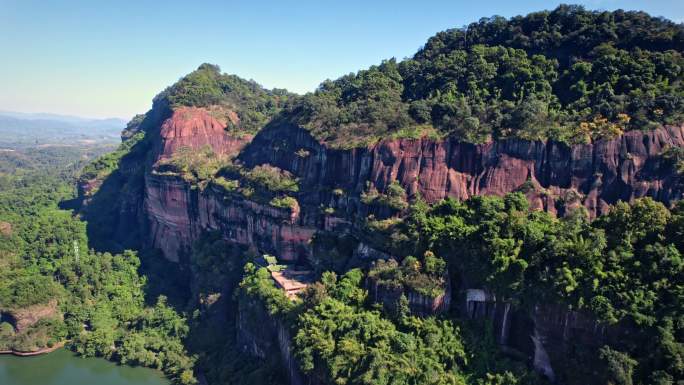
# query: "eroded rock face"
{"type": "Point", "coordinates": [547, 335]}
{"type": "Point", "coordinates": [260, 334]}
{"type": "Point", "coordinates": [273, 230]}
{"type": "Point", "coordinates": [558, 331]}
{"type": "Point", "coordinates": [178, 212]}
{"type": "Point", "coordinates": [194, 128]}
{"type": "Point", "coordinates": [5, 229]}
{"type": "Point", "coordinates": [169, 203]}
{"type": "Point", "coordinates": [419, 304]}
{"type": "Point", "coordinates": [24, 318]}
{"type": "Point", "coordinates": [554, 177]}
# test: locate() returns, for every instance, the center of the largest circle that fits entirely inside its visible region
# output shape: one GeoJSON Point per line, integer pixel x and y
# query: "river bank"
{"type": "Point", "coordinates": [35, 352]}
{"type": "Point", "coordinates": [64, 367]}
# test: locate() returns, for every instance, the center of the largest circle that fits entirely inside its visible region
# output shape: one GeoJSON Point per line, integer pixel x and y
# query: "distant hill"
{"type": "Point", "coordinates": [24, 129]}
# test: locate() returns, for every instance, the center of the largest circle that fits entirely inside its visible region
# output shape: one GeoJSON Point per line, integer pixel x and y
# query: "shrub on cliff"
{"type": "Point", "coordinates": [426, 276]}
{"type": "Point", "coordinates": [193, 165]}
{"type": "Point", "coordinates": [674, 157]}
{"type": "Point", "coordinates": [394, 197]}
{"type": "Point", "coordinates": [285, 203]}
{"type": "Point", "coordinates": [226, 184]}
{"type": "Point", "coordinates": [258, 284]}
{"type": "Point", "coordinates": [271, 179]}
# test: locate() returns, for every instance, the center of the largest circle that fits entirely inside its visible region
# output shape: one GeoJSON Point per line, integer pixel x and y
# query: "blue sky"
{"type": "Point", "coordinates": [109, 58]}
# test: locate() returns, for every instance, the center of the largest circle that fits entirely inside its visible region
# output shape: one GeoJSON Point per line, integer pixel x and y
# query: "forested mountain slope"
{"type": "Point", "coordinates": [500, 208]}
{"type": "Point", "coordinates": [569, 74]}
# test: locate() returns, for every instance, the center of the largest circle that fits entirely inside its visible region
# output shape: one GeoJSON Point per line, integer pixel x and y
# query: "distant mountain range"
{"type": "Point", "coordinates": [17, 128]}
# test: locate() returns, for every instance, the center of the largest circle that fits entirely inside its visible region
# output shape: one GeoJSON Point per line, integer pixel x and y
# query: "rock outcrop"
{"type": "Point", "coordinates": [389, 295]}
{"type": "Point", "coordinates": [23, 318]}
{"type": "Point", "coordinates": [194, 128]}
{"type": "Point", "coordinates": [260, 335]}
{"type": "Point", "coordinates": [547, 335]}
{"type": "Point", "coordinates": [178, 213]}
{"type": "Point", "coordinates": [554, 176]}
{"type": "Point", "coordinates": [418, 303]}
{"type": "Point", "coordinates": [5, 229]}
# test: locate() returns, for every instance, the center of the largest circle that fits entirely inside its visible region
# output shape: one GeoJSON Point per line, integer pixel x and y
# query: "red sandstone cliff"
{"type": "Point", "coordinates": [194, 128]}
{"type": "Point", "coordinates": [554, 176]}
{"type": "Point", "coordinates": [177, 213]}
{"type": "Point", "coordinates": [594, 175]}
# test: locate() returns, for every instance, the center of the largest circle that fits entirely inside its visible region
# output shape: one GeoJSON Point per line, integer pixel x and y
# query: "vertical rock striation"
{"type": "Point", "coordinates": [593, 175]}
{"type": "Point", "coordinates": [554, 177]}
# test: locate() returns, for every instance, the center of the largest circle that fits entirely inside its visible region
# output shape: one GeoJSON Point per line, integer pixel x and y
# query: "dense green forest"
{"type": "Point", "coordinates": [340, 337]}
{"type": "Point", "coordinates": [24, 165]}
{"type": "Point", "coordinates": [102, 309]}
{"type": "Point", "coordinates": [569, 74]}
{"type": "Point", "coordinates": [131, 307]}
{"type": "Point", "coordinates": [625, 268]}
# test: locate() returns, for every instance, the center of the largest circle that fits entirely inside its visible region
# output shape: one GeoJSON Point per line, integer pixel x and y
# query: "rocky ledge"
{"type": "Point", "coordinates": [554, 176]}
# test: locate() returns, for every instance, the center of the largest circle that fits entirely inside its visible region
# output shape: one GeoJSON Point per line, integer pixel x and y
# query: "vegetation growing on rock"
{"type": "Point", "coordinates": [193, 165]}
{"type": "Point", "coordinates": [394, 197]}
{"type": "Point", "coordinates": [285, 203]}
{"type": "Point", "coordinates": [569, 75]}
{"type": "Point", "coordinates": [340, 338]}
{"type": "Point", "coordinates": [227, 184]}
{"type": "Point", "coordinates": [271, 179]}
{"type": "Point", "coordinates": [108, 163]}
{"type": "Point", "coordinates": [624, 267]}
{"type": "Point", "coordinates": [208, 87]}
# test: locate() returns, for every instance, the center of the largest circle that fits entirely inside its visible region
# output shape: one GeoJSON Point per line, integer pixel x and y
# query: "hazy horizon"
{"type": "Point", "coordinates": [101, 60]}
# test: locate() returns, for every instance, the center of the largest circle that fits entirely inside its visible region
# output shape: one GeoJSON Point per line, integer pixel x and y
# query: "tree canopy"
{"type": "Point", "coordinates": [569, 74]}
{"type": "Point", "coordinates": [225, 94]}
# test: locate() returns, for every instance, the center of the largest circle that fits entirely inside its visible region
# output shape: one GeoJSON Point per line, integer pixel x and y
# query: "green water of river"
{"type": "Point", "coordinates": [64, 368]}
